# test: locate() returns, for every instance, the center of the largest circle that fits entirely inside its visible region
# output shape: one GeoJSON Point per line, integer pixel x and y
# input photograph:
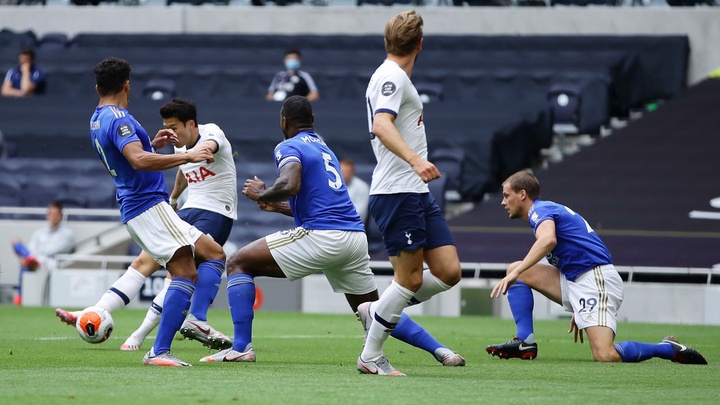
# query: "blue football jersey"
{"type": "Point", "coordinates": [111, 128]}
{"type": "Point", "coordinates": [323, 202]}
{"type": "Point", "coordinates": [578, 247]}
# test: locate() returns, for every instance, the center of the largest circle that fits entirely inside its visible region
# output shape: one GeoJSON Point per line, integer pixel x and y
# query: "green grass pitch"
{"type": "Point", "coordinates": [310, 359]}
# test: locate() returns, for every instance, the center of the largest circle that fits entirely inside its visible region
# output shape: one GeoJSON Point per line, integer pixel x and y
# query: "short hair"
{"type": "Point", "coordinates": [293, 52]}
{"type": "Point", "coordinates": [111, 74]}
{"type": "Point", "coordinates": [56, 204]}
{"type": "Point", "coordinates": [297, 110]}
{"type": "Point", "coordinates": [29, 52]}
{"type": "Point", "coordinates": [403, 33]}
{"type": "Point", "coordinates": [523, 180]}
{"type": "Point", "coordinates": [182, 109]}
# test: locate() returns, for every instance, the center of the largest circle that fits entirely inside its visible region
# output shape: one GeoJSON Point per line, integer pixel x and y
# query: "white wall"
{"type": "Point", "coordinates": [701, 24]}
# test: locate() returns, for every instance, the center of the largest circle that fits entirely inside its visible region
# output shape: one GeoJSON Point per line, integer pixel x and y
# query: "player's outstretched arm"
{"type": "Point", "coordinates": [147, 161]}
{"type": "Point", "coordinates": [286, 186]}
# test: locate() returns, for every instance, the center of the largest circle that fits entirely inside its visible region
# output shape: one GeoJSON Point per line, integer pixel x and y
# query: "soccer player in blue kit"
{"type": "Point", "coordinates": [210, 207]}
{"type": "Point", "coordinates": [125, 149]}
{"type": "Point", "coordinates": [580, 276]}
{"type": "Point", "coordinates": [329, 237]}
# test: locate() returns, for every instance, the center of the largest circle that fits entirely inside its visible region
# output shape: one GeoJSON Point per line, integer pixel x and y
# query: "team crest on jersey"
{"type": "Point", "coordinates": [124, 130]}
{"type": "Point", "coordinates": [388, 88]}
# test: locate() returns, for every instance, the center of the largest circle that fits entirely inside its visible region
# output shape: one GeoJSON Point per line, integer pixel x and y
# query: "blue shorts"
{"type": "Point", "coordinates": [410, 221]}
{"type": "Point", "coordinates": [216, 225]}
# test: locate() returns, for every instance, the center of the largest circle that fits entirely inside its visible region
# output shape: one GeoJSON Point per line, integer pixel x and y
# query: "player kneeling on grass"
{"type": "Point", "coordinates": [329, 238]}
{"type": "Point", "coordinates": [580, 276]}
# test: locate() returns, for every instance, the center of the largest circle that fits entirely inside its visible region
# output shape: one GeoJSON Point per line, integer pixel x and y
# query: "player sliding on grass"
{"type": "Point", "coordinates": [210, 207]}
{"type": "Point", "coordinates": [329, 238]}
{"type": "Point", "coordinates": [580, 276]}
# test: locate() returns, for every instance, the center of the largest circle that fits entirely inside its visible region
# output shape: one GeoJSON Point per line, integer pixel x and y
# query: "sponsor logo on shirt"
{"type": "Point", "coordinates": [124, 130]}
{"type": "Point", "coordinates": [388, 89]}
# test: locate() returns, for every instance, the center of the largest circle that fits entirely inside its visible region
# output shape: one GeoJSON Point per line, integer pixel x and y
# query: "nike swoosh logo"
{"type": "Point", "coordinates": [682, 346]}
{"type": "Point", "coordinates": [200, 328]}
{"type": "Point", "coordinates": [523, 347]}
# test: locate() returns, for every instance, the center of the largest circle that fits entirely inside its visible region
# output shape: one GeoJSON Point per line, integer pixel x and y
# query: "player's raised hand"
{"type": "Point", "coordinates": [425, 169]}
{"type": "Point", "coordinates": [252, 187]}
{"type": "Point", "coordinates": [164, 137]}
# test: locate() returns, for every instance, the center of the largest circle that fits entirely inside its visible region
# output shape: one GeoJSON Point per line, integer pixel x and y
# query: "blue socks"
{"type": "Point", "coordinates": [21, 250]}
{"type": "Point", "coordinates": [633, 352]}
{"type": "Point", "coordinates": [520, 298]}
{"type": "Point", "coordinates": [177, 302]}
{"type": "Point", "coordinates": [411, 333]}
{"type": "Point", "coordinates": [209, 277]}
{"type": "Point", "coordinates": [241, 296]}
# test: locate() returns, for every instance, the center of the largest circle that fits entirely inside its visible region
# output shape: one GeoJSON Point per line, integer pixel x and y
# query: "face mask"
{"type": "Point", "coordinates": [292, 64]}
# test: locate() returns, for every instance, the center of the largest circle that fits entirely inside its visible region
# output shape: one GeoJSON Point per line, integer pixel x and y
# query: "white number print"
{"type": "Point", "coordinates": [338, 180]}
{"type": "Point", "coordinates": [589, 228]}
{"type": "Point", "coordinates": [104, 159]}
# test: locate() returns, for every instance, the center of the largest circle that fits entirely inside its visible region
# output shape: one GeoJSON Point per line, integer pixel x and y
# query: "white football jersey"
{"type": "Point", "coordinates": [391, 91]}
{"type": "Point", "coordinates": [212, 186]}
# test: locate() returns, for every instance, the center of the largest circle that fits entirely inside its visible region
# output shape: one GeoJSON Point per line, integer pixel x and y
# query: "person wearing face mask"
{"type": "Point", "coordinates": [292, 81]}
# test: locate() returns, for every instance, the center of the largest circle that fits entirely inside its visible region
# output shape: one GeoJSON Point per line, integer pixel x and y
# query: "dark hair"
{"type": "Point", "coordinates": [182, 109]}
{"type": "Point", "coordinates": [111, 74]}
{"type": "Point", "coordinates": [523, 180]}
{"type": "Point", "coordinates": [29, 52]}
{"type": "Point", "coordinates": [56, 204]}
{"type": "Point", "coordinates": [293, 52]}
{"type": "Point", "coordinates": [298, 111]}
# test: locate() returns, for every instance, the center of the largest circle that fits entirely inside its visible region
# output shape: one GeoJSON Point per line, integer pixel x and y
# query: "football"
{"type": "Point", "coordinates": [94, 325]}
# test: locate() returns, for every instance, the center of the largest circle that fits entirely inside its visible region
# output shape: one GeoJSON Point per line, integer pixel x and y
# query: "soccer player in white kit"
{"type": "Point", "coordinates": [210, 207]}
{"type": "Point", "coordinates": [413, 226]}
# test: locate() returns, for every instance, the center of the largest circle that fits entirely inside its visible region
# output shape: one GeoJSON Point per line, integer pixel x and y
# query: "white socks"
{"type": "Point", "coordinates": [388, 309]}
{"type": "Point", "coordinates": [122, 291]}
{"type": "Point", "coordinates": [152, 318]}
{"type": "Point", "coordinates": [431, 285]}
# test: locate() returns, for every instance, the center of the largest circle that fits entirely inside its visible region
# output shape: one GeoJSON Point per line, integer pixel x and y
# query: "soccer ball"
{"type": "Point", "coordinates": [94, 325]}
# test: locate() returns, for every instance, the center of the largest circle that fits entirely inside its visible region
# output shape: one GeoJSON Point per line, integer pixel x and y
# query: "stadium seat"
{"type": "Point", "coordinates": [159, 89]}
{"type": "Point", "coordinates": [11, 191]}
{"type": "Point", "coordinates": [564, 100]}
{"type": "Point", "coordinates": [450, 163]}
{"type": "Point", "coordinates": [437, 189]}
{"type": "Point", "coordinates": [54, 40]}
{"type": "Point", "coordinates": [40, 190]}
{"type": "Point", "coordinates": [430, 92]}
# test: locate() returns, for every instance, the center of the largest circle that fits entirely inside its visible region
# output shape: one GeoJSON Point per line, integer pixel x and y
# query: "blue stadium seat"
{"type": "Point", "coordinates": [11, 191]}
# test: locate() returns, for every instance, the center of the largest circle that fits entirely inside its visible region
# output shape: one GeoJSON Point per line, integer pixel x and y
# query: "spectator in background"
{"type": "Point", "coordinates": [45, 243]}
{"type": "Point", "coordinates": [292, 81]}
{"type": "Point", "coordinates": [357, 188]}
{"type": "Point", "coordinates": [25, 79]}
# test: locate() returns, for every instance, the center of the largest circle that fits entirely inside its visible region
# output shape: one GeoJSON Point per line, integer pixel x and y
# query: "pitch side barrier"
{"type": "Point", "coordinates": [629, 274]}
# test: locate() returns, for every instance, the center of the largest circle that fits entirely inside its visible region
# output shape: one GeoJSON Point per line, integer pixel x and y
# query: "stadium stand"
{"type": "Point", "coordinates": [494, 98]}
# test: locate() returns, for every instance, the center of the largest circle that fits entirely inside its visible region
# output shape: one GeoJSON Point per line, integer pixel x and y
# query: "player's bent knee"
{"type": "Point", "coordinates": [607, 355]}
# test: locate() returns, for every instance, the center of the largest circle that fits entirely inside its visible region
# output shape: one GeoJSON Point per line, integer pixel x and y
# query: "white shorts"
{"type": "Point", "coordinates": [341, 255]}
{"type": "Point", "coordinates": [594, 297]}
{"type": "Point", "coordinates": [161, 232]}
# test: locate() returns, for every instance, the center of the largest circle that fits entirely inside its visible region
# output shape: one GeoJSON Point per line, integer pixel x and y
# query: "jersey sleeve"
{"type": "Point", "coordinates": [391, 91]}
{"type": "Point", "coordinates": [286, 153]}
{"type": "Point", "coordinates": [123, 132]}
{"type": "Point", "coordinates": [214, 133]}
{"type": "Point", "coordinates": [540, 213]}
